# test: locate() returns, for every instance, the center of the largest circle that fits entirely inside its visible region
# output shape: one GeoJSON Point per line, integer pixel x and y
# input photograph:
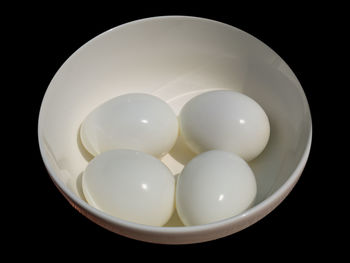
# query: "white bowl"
{"type": "Point", "coordinates": [176, 58]}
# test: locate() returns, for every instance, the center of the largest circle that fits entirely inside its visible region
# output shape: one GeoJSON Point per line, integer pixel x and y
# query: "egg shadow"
{"type": "Point", "coordinates": [79, 186]}
{"type": "Point", "coordinates": [87, 156]}
{"type": "Point", "coordinates": [180, 151]}
{"type": "Point", "coordinates": [174, 220]}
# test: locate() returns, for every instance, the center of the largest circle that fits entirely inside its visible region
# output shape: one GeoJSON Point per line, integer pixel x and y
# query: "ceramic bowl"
{"type": "Point", "coordinates": [176, 58]}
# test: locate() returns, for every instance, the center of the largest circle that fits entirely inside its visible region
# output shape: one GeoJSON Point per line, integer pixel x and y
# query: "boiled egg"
{"type": "Point", "coordinates": [213, 186]}
{"type": "Point", "coordinates": [130, 185]}
{"type": "Point", "coordinates": [225, 120]}
{"type": "Point", "coordinates": [135, 121]}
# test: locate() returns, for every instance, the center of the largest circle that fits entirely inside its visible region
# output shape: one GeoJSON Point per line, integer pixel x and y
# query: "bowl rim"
{"type": "Point", "coordinates": [252, 212]}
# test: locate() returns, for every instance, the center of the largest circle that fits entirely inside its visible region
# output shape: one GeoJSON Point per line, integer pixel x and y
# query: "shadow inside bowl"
{"type": "Point", "coordinates": [180, 152]}
{"type": "Point", "coordinates": [174, 220]}
{"type": "Point", "coordinates": [87, 156]}
{"type": "Point", "coordinates": [79, 186]}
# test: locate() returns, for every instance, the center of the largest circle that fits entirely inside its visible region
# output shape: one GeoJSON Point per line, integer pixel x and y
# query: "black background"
{"type": "Point", "coordinates": [47, 37]}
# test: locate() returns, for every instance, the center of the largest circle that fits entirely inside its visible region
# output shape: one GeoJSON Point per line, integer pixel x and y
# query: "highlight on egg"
{"type": "Point", "coordinates": [130, 185]}
{"type": "Point", "coordinates": [225, 120]}
{"type": "Point", "coordinates": [135, 121]}
{"type": "Point", "coordinates": [213, 186]}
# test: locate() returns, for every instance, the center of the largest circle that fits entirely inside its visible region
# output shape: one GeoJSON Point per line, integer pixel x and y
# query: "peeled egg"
{"type": "Point", "coordinates": [213, 186]}
{"type": "Point", "coordinates": [130, 185]}
{"type": "Point", "coordinates": [225, 120]}
{"type": "Point", "coordinates": [136, 121]}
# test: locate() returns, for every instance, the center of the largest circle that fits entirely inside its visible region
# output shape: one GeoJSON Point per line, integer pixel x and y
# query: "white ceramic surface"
{"type": "Point", "coordinates": [131, 185]}
{"type": "Point", "coordinates": [225, 120]}
{"type": "Point", "coordinates": [139, 122]}
{"type": "Point", "coordinates": [213, 186]}
{"type": "Point", "coordinates": [176, 58]}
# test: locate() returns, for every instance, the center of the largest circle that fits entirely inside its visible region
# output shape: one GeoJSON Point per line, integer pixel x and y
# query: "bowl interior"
{"type": "Point", "coordinates": [174, 58]}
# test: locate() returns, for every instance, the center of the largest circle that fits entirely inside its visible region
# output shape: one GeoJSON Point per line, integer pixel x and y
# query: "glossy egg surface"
{"type": "Point", "coordinates": [225, 120]}
{"type": "Point", "coordinates": [214, 185]}
{"type": "Point", "coordinates": [135, 121]}
{"type": "Point", "coordinates": [130, 185]}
